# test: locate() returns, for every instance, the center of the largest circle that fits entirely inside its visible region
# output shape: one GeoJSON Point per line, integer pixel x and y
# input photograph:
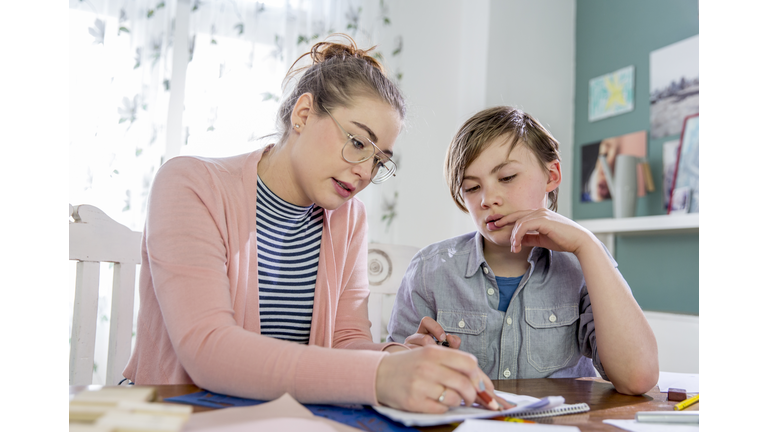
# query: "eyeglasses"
{"type": "Point", "coordinates": [358, 149]}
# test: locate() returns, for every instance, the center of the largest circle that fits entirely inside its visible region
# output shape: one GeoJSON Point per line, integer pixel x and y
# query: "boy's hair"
{"type": "Point", "coordinates": [482, 129]}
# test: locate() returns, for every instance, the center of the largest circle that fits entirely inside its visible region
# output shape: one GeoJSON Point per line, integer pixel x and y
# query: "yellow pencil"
{"type": "Point", "coordinates": [686, 403]}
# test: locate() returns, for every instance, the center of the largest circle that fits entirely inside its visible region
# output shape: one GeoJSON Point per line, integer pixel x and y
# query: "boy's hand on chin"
{"type": "Point", "coordinates": [545, 228]}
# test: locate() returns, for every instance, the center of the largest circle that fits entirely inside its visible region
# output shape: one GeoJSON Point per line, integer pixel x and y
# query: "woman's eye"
{"type": "Point", "coordinates": [471, 189]}
{"type": "Point", "coordinates": [507, 179]}
{"type": "Point", "coordinates": [358, 144]}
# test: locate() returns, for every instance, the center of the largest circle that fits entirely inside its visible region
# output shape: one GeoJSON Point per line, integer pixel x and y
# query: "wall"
{"type": "Point", "coordinates": [461, 63]}
{"type": "Point", "coordinates": [611, 35]}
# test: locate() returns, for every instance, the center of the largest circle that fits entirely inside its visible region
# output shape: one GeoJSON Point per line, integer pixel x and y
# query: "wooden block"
{"type": "Point", "coordinates": [81, 427]}
{"type": "Point", "coordinates": [676, 395]}
{"type": "Point", "coordinates": [111, 396]}
{"type": "Point", "coordinates": [120, 421]}
{"type": "Point", "coordinates": [89, 413]}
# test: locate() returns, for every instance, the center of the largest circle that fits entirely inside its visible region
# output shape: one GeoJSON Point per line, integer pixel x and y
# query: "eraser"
{"type": "Point", "coordinates": [676, 395]}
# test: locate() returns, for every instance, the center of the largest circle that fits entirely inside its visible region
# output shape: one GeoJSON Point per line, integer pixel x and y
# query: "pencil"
{"type": "Point", "coordinates": [487, 398]}
{"type": "Point", "coordinates": [686, 403]}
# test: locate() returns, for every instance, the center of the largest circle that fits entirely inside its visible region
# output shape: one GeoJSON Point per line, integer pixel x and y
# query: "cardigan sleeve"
{"type": "Point", "coordinates": [352, 328]}
{"type": "Point", "coordinates": [190, 238]}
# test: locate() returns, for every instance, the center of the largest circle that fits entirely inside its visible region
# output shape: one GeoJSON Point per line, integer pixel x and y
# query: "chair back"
{"type": "Point", "coordinates": [94, 238]}
{"type": "Point", "coordinates": [386, 267]}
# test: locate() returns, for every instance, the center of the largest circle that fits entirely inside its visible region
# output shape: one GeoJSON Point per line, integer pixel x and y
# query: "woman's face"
{"type": "Point", "coordinates": [324, 177]}
{"type": "Point", "coordinates": [500, 182]}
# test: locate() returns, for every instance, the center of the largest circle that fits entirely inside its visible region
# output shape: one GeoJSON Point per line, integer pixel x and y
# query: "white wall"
{"type": "Point", "coordinates": [531, 66]}
{"type": "Point", "coordinates": [455, 63]}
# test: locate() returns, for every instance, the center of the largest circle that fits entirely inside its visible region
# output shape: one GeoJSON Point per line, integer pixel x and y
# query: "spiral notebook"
{"type": "Point", "coordinates": [526, 407]}
{"type": "Point", "coordinates": [539, 412]}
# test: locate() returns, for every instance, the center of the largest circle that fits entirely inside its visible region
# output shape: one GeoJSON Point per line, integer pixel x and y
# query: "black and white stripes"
{"type": "Point", "coordinates": [288, 239]}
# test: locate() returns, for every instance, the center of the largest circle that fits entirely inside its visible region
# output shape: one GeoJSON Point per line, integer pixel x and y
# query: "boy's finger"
{"type": "Point", "coordinates": [431, 327]}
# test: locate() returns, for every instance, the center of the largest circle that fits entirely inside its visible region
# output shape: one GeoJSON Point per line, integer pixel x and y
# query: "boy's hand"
{"type": "Point", "coordinates": [428, 331]}
{"type": "Point", "coordinates": [547, 229]}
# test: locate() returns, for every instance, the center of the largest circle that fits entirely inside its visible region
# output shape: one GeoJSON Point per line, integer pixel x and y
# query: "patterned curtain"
{"type": "Point", "coordinates": [121, 67]}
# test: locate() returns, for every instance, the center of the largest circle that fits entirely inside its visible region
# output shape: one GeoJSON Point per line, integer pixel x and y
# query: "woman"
{"type": "Point", "coordinates": [254, 266]}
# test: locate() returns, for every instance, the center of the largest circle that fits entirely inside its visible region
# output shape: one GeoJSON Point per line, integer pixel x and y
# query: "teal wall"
{"type": "Point", "coordinates": [663, 271]}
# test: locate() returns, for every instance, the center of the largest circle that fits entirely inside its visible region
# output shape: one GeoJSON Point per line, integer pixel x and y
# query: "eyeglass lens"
{"type": "Point", "coordinates": [358, 149]}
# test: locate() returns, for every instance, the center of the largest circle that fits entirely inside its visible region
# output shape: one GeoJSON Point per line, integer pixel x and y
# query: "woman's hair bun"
{"type": "Point", "coordinates": [326, 50]}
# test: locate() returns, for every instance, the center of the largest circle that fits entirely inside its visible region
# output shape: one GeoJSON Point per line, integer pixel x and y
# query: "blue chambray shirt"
{"type": "Point", "coordinates": [548, 331]}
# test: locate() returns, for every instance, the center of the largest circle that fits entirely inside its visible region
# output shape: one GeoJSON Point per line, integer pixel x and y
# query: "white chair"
{"type": "Point", "coordinates": [386, 267]}
{"type": "Point", "coordinates": [95, 238]}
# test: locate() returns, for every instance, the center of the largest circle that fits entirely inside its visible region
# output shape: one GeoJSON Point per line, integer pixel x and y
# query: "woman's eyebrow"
{"type": "Point", "coordinates": [372, 135]}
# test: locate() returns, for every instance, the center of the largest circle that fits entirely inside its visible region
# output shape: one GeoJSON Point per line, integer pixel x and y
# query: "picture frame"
{"type": "Point", "coordinates": [684, 195]}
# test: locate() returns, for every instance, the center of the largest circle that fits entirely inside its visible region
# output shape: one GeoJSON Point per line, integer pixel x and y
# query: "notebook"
{"type": "Point", "coordinates": [539, 412]}
{"type": "Point", "coordinates": [528, 406]}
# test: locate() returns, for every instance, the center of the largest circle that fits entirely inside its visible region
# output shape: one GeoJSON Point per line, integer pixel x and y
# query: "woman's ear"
{"type": "Point", "coordinates": [555, 175]}
{"type": "Point", "coordinates": [301, 111]}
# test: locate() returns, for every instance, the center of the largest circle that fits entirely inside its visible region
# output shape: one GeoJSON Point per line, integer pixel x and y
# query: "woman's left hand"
{"type": "Point", "coordinates": [545, 228]}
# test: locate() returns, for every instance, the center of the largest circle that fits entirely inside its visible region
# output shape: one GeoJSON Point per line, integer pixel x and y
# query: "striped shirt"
{"type": "Point", "coordinates": [288, 238]}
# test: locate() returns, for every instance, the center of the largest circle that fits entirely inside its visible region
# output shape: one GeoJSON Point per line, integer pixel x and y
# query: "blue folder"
{"type": "Point", "coordinates": [357, 416]}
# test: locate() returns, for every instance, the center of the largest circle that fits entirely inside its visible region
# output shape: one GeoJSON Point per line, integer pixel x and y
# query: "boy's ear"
{"type": "Point", "coordinates": [555, 175]}
{"type": "Point", "coordinates": [301, 110]}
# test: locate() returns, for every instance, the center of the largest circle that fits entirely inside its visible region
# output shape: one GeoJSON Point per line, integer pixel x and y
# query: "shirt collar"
{"type": "Point", "coordinates": [477, 260]}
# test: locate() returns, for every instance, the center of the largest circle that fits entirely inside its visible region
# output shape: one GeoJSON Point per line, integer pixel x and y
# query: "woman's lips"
{"type": "Point", "coordinates": [342, 188]}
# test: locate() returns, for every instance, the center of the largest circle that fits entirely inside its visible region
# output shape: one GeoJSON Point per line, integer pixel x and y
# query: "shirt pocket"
{"type": "Point", "coordinates": [470, 328]}
{"type": "Point", "coordinates": [551, 341]}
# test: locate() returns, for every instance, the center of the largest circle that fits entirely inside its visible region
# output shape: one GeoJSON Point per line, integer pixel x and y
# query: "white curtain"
{"type": "Point", "coordinates": [121, 86]}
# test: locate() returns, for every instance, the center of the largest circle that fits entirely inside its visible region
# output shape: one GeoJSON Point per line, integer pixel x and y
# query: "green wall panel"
{"type": "Point", "coordinates": [611, 35]}
{"type": "Point", "coordinates": [665, 282]}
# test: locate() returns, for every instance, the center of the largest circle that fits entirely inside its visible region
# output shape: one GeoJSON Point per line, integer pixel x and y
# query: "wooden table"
{"type": "Point", "coordinates": [604, 401]}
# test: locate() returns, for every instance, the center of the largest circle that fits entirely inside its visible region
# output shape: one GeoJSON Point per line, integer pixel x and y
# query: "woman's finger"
{"type": "Point", "coordinates": [420, 340]}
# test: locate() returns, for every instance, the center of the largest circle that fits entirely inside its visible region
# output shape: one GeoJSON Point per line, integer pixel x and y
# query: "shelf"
{"type": "Point", "coordinates": [662, 224]}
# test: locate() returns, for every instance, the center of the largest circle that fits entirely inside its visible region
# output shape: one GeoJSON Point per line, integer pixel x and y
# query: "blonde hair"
{"type": "Point", "coordinates": [482, 129]}
{"type": "Point", "coordinates": [339, 72]}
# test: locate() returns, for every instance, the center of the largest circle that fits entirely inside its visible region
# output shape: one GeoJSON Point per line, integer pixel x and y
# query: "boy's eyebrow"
{"type": "Point", "coordinates": [373, 136]}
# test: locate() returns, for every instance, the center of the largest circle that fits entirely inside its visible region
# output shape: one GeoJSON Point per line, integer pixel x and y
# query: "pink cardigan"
{"type": "Point", "coordinates": [199, 314]}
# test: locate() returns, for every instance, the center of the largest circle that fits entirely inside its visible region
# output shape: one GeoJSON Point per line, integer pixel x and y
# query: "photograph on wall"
{"type": "Point", "coordinates": [669, 164]}
{"type": "Point", "coordinates": [594, 186]}
{"type": "Point", "coordinates": [674, 86]}
{"type": "Point", "coordinates": [685, 184]}
{"type": "Point", "coordinates": [612, 94]}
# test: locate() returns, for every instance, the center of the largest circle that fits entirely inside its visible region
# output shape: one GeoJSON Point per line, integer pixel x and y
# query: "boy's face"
{"type": "Point", "coordinates": [500, 182]}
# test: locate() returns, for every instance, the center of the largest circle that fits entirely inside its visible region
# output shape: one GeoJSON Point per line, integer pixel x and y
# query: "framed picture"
{"type": "Point", "coordinates": [684, 197]}
{"type": "Point", "coordinates": [594, 186]}
{"type": "Point", "coordinates": [674, 86]}
{"type": "Point", "coordinates": [612, 94]}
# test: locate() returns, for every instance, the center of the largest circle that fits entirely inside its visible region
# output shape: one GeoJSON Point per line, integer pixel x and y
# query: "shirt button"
{"type": "Point", "coordinates": [490, 291]}
{"type": "Point", "coordinates": [552, 318]}
{"type": "Point", "coordinates": [461, 324]}
{"type": "Point", "coordinates": [485, 270]}
{"type": "Point", "coordinates": [507, 373]}
{"type": "Point", "coordinates": [509, 320]}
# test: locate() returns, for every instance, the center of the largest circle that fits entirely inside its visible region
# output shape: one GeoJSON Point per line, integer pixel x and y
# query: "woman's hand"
{"type": "Point", "coordinates": [431, 380]}
{"type": "Point", "coordinates": [429, 328]}
{"type": "Point", "coordinates": [547, 229]}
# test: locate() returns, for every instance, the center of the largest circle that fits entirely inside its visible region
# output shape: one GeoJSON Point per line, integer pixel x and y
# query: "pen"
{"type": "Point", "coordinates": [487, 398]}
{"type": "Point", "coordinates": [443, 343]}
{"type": "Point", "coordinates": [686, 403]}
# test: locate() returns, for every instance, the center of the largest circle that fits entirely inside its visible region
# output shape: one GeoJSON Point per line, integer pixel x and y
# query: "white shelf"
{"type": "Point", "coordinates": [663, 224]}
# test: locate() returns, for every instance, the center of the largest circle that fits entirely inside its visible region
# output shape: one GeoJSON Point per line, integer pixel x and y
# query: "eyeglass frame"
{"type": "Point", "coordinates": [350, 137]}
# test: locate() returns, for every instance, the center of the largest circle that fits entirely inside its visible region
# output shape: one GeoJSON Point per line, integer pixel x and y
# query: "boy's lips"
{"type": "Point", "coordinates": [490, 222]}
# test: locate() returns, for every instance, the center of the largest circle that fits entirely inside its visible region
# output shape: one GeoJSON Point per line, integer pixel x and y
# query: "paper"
{"type": "Point", "coordinates": [457, 414]}
{"type": "Point", "coordinates": [281, 424]}
{"type": "Point", "coordinates": [635, 426]}
{"type": "Point", "coordinates": [473, 425]}
{"type": "Point", "coordinates": [687, 381]}
{"type": "Point", "coordinates": [236, 419]}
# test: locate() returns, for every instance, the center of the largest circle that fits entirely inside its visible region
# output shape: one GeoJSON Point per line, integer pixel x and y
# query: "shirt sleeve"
{"type": "Point", "coordinates": [412, 303]}
{"type": "Point", "coordinates": [587, 337]}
